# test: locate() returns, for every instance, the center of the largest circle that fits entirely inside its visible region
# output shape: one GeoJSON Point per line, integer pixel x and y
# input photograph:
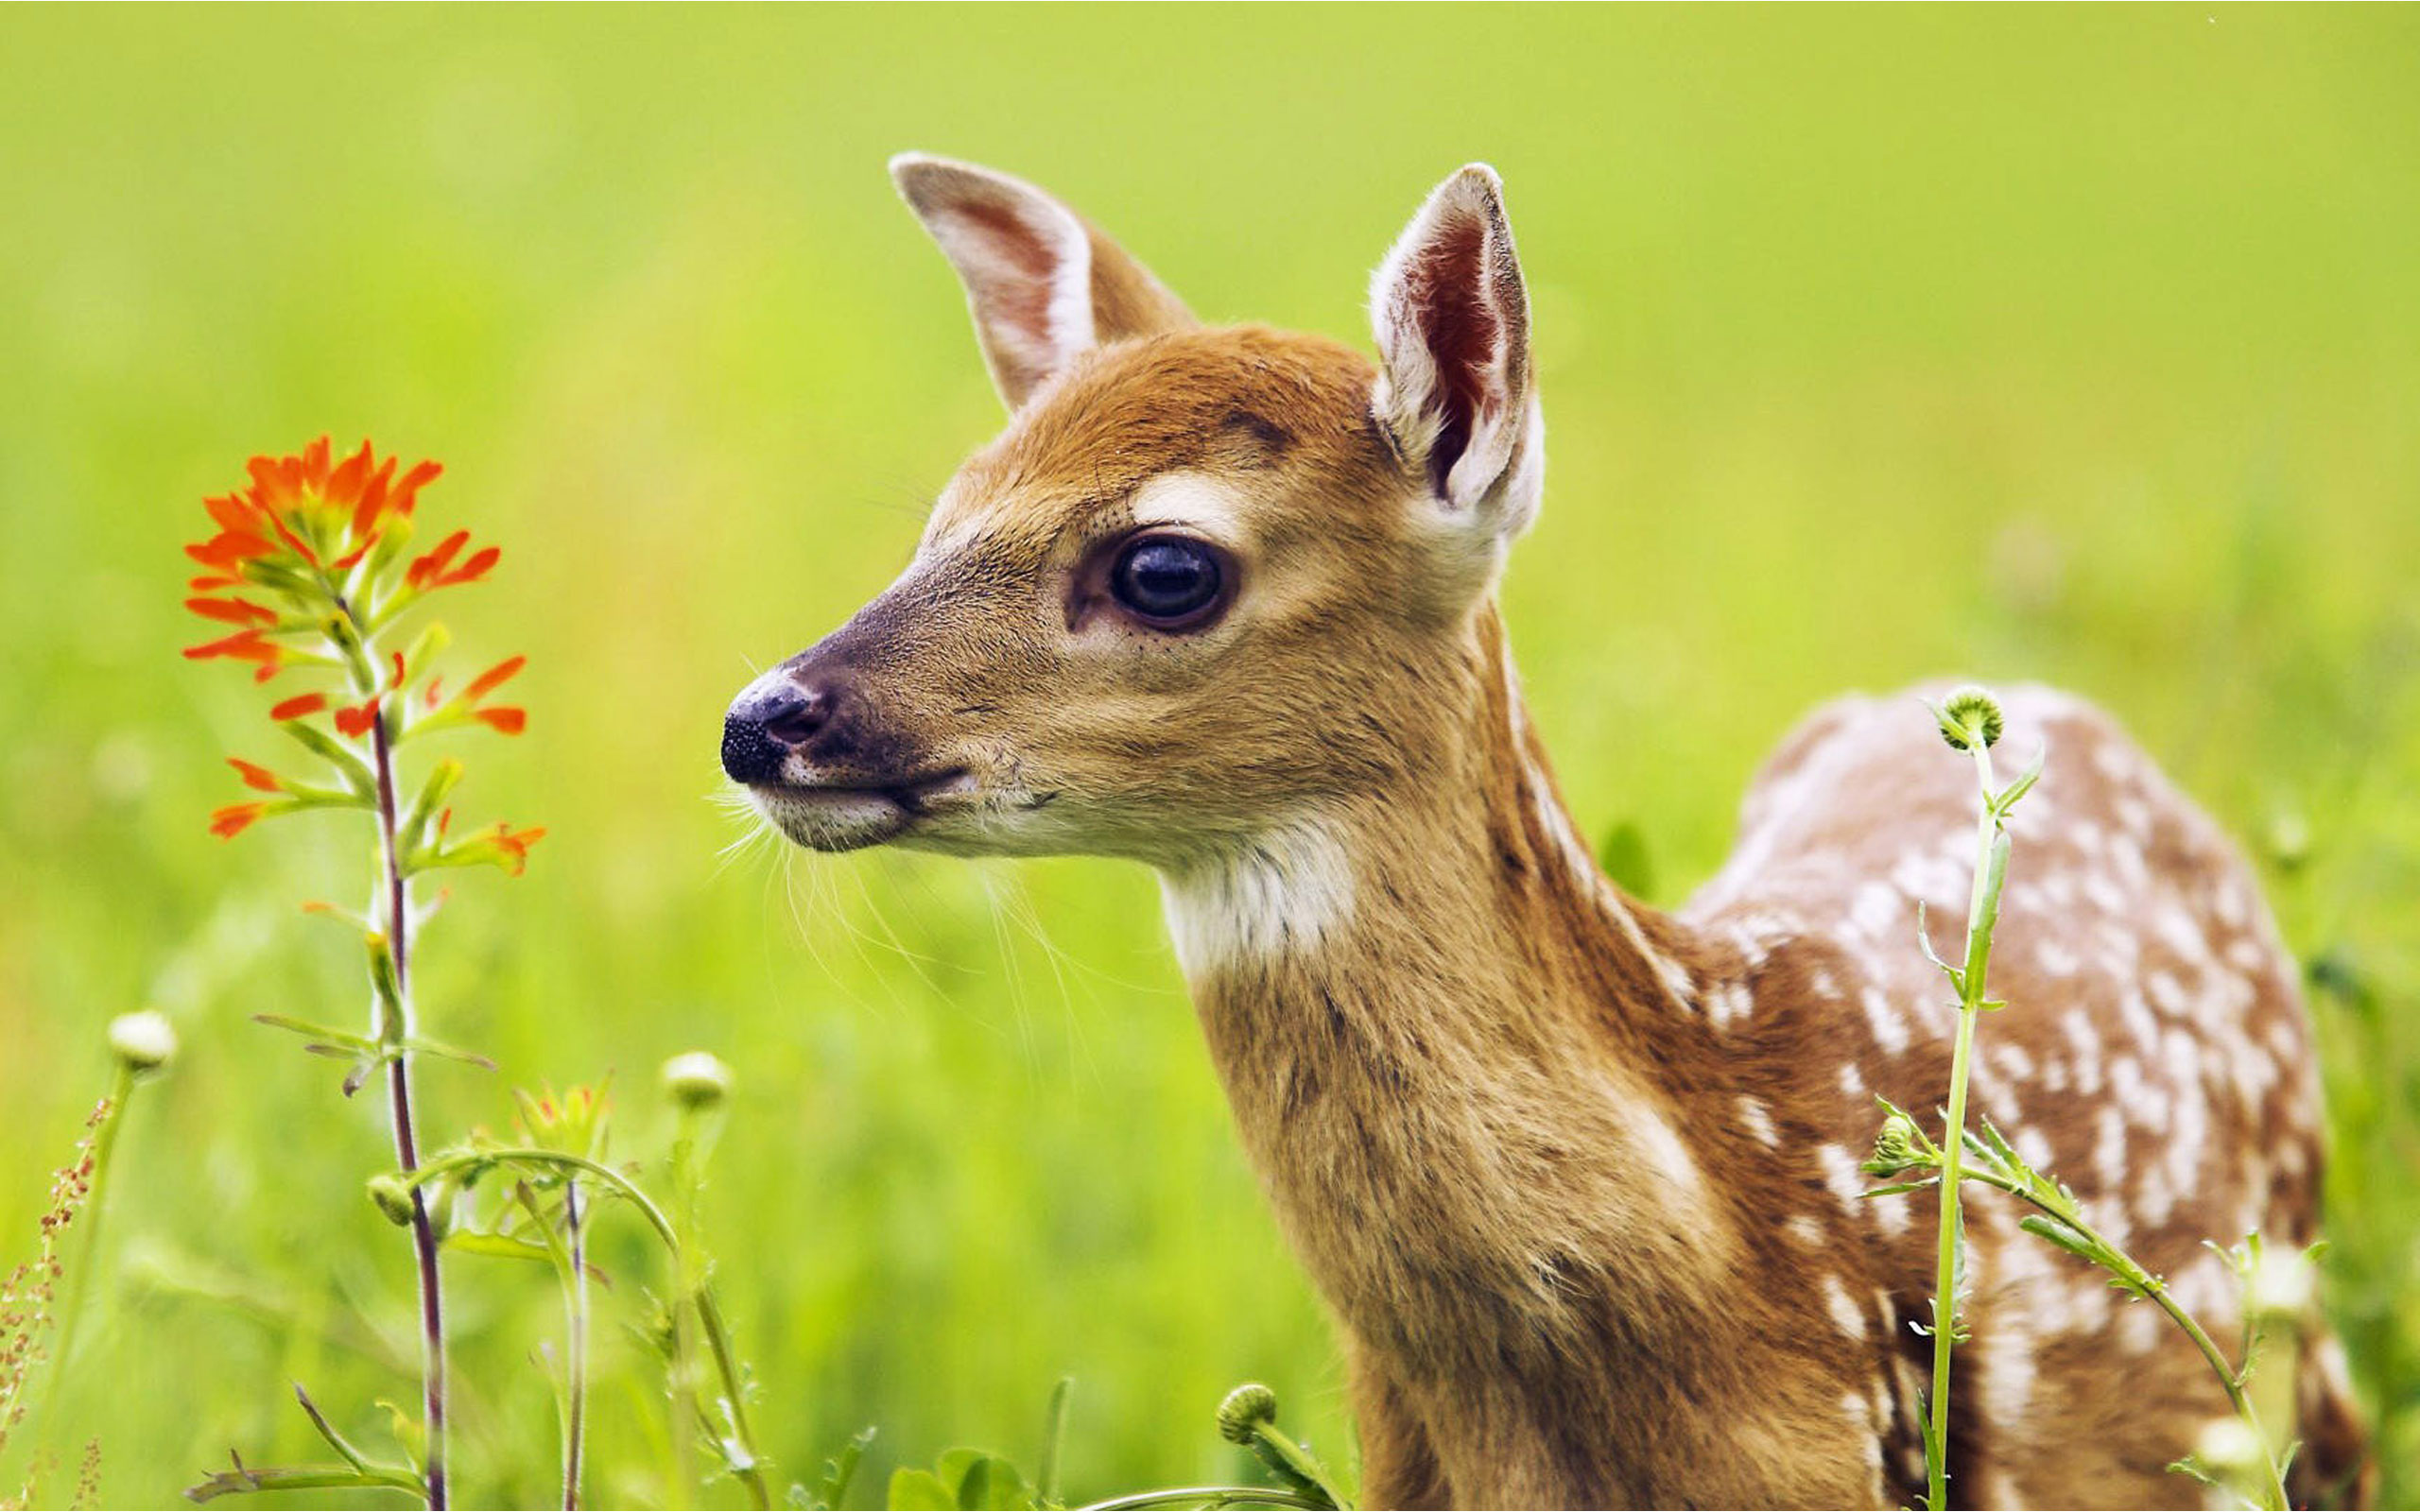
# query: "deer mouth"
{"type": "Point", "coordinates": [850, 817]}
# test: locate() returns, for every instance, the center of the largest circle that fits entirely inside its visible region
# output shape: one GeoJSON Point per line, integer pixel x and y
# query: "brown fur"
{"type": "Point", "coordinates": [1576, 1176]}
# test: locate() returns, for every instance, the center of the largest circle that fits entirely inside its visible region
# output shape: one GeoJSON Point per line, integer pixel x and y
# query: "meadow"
{"type": "Point", "coordinates": [2068, 345]}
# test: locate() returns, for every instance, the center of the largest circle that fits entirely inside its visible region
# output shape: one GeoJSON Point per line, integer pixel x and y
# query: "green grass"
{"type": "Point", "coordinates": [1848, 323]}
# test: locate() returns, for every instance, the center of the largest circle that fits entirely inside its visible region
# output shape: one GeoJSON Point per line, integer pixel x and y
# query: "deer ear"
{"type": "Point", "coordinates": [1455, 391]}
{"type": "Point", "coordinates": [1044, 286]}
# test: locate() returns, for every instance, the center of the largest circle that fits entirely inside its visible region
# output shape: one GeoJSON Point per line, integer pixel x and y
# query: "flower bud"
{"type": "Point", "coordinates": [143, 1042]}
{"type": "Point", "coordinates": [1245, 1409]}
{"type": "Point", "coordinates": [697, 1080]}
{"type": "Point", "coordinates": [1968, 716]}
{"type": "Point", "coordinates": [2229, 1451]}
{"type": "Point", "coordinates": [394, 1197]}
{"type": "Point", "coordinates": [2280, 1288]}
{"type": "Point", "coordinates": [1895, 1147]}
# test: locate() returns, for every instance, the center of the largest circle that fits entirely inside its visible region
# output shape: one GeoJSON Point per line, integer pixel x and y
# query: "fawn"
{"type": "Point", "coordinates": [1579, 1178]}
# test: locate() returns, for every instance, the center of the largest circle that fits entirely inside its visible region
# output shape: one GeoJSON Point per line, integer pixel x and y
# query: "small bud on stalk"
{"type": "Point", "coordinates": [1969, 718]}
{"type": "Point", "coordinates": [1895, 1147]}
{"type": "Point", "coordinates": [1245, 1408]}
{"type": "Point", "coordinates": [393, 1196]}
{"type": "Point", "coordinates": [143, 1042]}
{"type": "Point", "coordinates": [697, 1080]}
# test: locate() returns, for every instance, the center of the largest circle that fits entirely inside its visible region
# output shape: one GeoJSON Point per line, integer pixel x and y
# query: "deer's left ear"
{"type": "Point", "coordinates": [1044, 287]}
{"type": "Point", "coordinates": [1455, 391]}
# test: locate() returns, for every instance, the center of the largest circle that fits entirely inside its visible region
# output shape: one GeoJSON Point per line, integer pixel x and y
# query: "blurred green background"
{"type": "Point", "coordinates": [2072, 344]}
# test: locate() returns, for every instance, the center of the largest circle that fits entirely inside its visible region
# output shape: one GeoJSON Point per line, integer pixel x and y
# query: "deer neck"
{"type": "Point", "coordinates": [1444, 1037]}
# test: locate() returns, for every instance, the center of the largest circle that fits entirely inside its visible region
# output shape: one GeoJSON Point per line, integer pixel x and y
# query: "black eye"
{"type": "Point", "coordinates": [1166, 579]}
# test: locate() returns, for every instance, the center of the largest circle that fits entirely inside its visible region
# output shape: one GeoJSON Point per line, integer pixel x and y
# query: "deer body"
{"type": "Point", "coordinates": [1578, 1178]}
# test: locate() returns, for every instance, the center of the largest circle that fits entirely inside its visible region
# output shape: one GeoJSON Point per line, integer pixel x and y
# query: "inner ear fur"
{"type": "Point", "coordinates": [1045, 285]}
{"type": "Point", "coordinates": [1451, 316]}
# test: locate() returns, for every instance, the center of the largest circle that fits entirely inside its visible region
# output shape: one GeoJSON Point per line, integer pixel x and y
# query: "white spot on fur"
{"type": "Point", "coordinates": [1890, 1026]}
{"type": "Point", "coordinates": [1277, 895]}
{"type": "Point", "coordinates": [2085, 1039]}
{"type": "Point", "coordinates": [1758, 1119]}
{"type": "Point", "coordinates": [2008, 1373]}
{"type": "Point", "coordinates": [1665, 1152]}
{"type": "Point", "coordinates": [2109, 1148]}
{"type": "Point", "coordinates": [2138, 1327]}
{"type": "Point", "coordinates": [1846, 1316]}
{"type": "Point", "coordinates": [1852, 1080]}
{"type": "Point", "coordinates": [1841, 1175]}
{"type": "Point", "coordinates": [1878, 910]}
{"type": "Point", "coordinates": [1805, 1232]}
{"type": "Point", "coordinates": [1728, 1004]}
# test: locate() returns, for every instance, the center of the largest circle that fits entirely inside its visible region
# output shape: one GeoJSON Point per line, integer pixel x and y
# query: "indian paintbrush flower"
{"type": "Point", "coordinates": [310, 570]}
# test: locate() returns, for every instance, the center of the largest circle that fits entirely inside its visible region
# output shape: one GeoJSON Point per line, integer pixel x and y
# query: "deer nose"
{"type": "Point", "coordinates": [765, 725]}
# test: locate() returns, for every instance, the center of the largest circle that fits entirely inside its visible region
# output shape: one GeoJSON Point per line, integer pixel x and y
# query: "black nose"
{"type": "Point", "coordinates": [766, 724]}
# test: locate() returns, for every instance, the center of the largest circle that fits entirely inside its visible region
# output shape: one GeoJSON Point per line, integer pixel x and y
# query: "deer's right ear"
{"type": "Point", "coordinates": [1044, 286]}
{"type": "Point", "coordinates": [1456, 393]}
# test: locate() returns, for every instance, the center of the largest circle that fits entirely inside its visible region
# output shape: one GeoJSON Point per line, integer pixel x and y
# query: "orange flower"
{"type": "Point", "coordinates": [232, 611]}
{"type": "Point", "coordinates": [259, 779]}
{"type": "Point", "coordinates": [359, 721]}
{"type": "Point", "coordinates": [301, 506]}
{"type": "Point", "coordinates": [235, 818]}
{"type": "Point", "coordinates": [244, 646]}
{"type": "Point", "coordinates": [515, 845]}
{"type": "Point", "coordinates": [299, 707]}
{"type": "Point", "coordinates": [504, 719]}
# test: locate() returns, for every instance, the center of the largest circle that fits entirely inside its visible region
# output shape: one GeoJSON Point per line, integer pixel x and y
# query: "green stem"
{"type": "Point", "coordinates": [684, 1350]}
{"type": "Point", "coordinates": [2119, 1263]}
{"type": "Point", "coordinates": [576, 1348]}
{"type": "Point", "coordinates": [393, 1030]}
{"type": "Point", "coordinates": [1212, 1496]}
{"type": "Point", "coordinates": [311, 1478]}
{"type": "Point", "coordinates": [1982, 911]}
{"type": "Point", "coordinates": [702, 1301]}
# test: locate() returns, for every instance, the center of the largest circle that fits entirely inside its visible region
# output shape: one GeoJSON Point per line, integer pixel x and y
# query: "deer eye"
{"type": "Point", "coordinates": [1168, 581]}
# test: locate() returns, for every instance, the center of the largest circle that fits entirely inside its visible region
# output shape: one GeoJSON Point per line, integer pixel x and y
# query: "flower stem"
{"type": "Point", "coordinates": [747, 1464]}
{"type": "Point", "coordinates": [393, 1029]}
{"type": "Point", "coordinates": [2097, 1248]}
{"type": "Point", "coordinates": [575, 1348]}
{"type": "Point", "coordinates": [1983, 912]}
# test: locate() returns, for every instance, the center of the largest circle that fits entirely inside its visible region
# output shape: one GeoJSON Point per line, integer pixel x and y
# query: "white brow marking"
{"type": "Point", "coordinates": [1194, 500]}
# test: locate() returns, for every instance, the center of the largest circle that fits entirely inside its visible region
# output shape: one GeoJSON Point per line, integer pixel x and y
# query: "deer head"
{"type": "Point", "coordinates": [1206, 581]}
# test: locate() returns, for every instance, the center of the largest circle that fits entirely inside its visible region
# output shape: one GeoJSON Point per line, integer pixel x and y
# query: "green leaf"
{"type": "Point", "coordinates": [329, 1038]}
{"type": "Point", "coordinates": [915, 1490]}
{"type": "Point", "coordinates": [951, 1468]}
{"type": "Point", "coordinates": [2008, 796]}
{"type": "Point", "coordinates": [841, 1469]}
{"type": "Point", "coordinates": [2060, 1234]}
{"type": "Point", "coordinates": [993, 1484]}
{"type": "Point", "coordinates": [470, 1242]}
{"type": "Point", "coordinates": [1054, 1438]}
